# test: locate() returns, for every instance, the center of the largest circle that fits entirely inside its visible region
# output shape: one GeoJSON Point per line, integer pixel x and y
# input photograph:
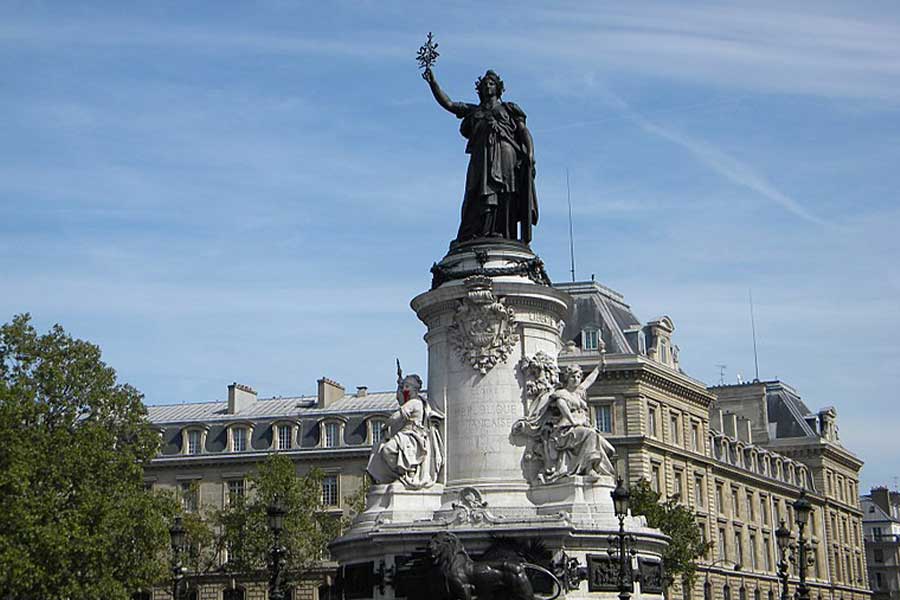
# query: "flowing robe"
{"type": "Point", "coordinates": [499, 177]}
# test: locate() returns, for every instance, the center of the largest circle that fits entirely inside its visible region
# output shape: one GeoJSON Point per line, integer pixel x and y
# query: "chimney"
{"type": "Point", "coordinates": [328, 392]}
{"type": "Point", "coordinates": [716, 422]}
{"type": "Point", "coordinates": [743, 430]}
{"type": "Point", "coordinates": [240, 397]}
{"type": "Point", "coordinates": [362, 391]}
{"type": "Point", "coordinates": [729, 425]}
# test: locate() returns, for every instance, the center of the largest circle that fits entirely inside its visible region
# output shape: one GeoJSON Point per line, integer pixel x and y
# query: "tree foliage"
{"type": "Point", "coordinates": [676, 521]}
{"type": "Point", "coordinates": [76, 519]}
{"type": "Point", "coordinates": [242, 525]}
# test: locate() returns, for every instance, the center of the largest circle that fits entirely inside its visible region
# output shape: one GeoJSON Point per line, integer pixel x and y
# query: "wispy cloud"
{"type": "Point", "coordinates": [731, 168]}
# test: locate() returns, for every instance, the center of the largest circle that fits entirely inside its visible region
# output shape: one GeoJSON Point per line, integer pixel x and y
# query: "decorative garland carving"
{"type": "Point", "coordinates": [483, 329]}
{"type": "Point", "coordinates": [532, 268]}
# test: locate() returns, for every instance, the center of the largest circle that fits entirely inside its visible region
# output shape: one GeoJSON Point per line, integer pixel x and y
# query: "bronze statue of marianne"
{"type": "Point", "coordinates": [500, 200]}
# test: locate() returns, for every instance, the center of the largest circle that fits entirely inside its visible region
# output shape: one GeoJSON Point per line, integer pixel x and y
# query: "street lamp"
{"type": "Point", "coordinates": [783, 539]}
{"type": "Point", "coordinates": [177, 535]}
{"type": "Point", "coordinates": [707, 590]}
{"type": "Point", "coordinates": [802, 508]}
{"type": "Point", "coordinates": [276, 513]}
{"type": "Point", "coordinates": [625, 542]}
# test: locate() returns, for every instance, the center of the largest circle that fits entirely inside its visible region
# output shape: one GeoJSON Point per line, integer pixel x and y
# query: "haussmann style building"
{"type": "Point", "coordinates": [737, 455]}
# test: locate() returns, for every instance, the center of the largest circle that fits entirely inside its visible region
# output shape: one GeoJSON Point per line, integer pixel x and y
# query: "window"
{"type": "Point", "coordinates": [679, 484]}
{"type": "Point", "coordinates": [698, 491]}
{"type": "Point", "coordinates": [589, 338]}
{"type": "Point", "coordinates": [603, 417]}
{"type": "Point", "coordinates": [235, 489]}
{"type": "Point", "coordinates": [239, 439]}
{"type": "Point", "coordinates": [879, 581]}
{"type": "Point", "coordinates": [189, 495]}
{"type": "Point", "coordinates": [695, 437]}
{"type": "Point", "coordinates": [332, 435]}
{"type": "Point", "coordinates": [878, 555]}
{"type": "Point", "coordinates": [723, 551]}
{"type": "Point", "coordinates": [752, 550]}
{"type": "Point", "coordinates": [674, 430]}
{"type": "Point", "coordinates": [738, 548]}
{"type": "Point", "coordinates": [751, 510]}
{"type": "Point", "coordinates": [735, 507]}
{"type": "Point", "coordinates": [193, 438]}
{"type": "Point", "coordinates": [233, 594]}
{"type": "Point", "coordinates": [377, 426]}
{"type": "Point", "coordinates": [763, 509]}
{"type": "Point", "coordinates": [876, 532]}
{"type": "Point", "coordinates": [767, 553]}
{"type": "Point", "coordinates": [655, 479]}
{"type": "Point", "coordinates": [285, 432]}
{"type": "Point", "coordinates": [330, 490]}
{"type": "Point", "coordinates": [726, 592]}
{"type": "Point", "coordinates": [720, 499]}
{"type": "Point", "coordinates": [651, 421]}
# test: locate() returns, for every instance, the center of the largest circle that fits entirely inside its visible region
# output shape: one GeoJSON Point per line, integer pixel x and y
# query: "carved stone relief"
{"type": "Point", "coordinates": [483, 329]}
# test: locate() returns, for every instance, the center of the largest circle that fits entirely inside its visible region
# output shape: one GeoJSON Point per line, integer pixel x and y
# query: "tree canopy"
{"type": "Point", "coordinates": [676, 521]}
{"type": "Point", "coordinates": [242, 525]}
{"type": "Point", "coordinates": [76, 519]}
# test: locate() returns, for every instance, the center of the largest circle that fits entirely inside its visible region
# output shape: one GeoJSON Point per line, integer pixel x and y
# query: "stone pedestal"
{"type": "Point", "coordinates": [490, 306]}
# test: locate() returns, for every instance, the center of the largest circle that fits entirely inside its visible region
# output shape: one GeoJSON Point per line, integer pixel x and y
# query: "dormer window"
{"type": "Point", "coordinates": [283, 436]}
{"type": "Point", "coordinates": [193, 438]}
{"type": "Point", "coordinates": [239, 439]}
{"type": "Point", "coordinates": [376, 431]}
{"type": "Point", "coordinates": [331, 432]}
{"type": "Point", "coordinates": [590, 339]}
{"type": "Point", "coordinates": [239, 436]}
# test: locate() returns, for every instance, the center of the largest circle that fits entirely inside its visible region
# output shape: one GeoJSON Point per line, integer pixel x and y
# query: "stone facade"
{"type": "Point", "coordinates": [881, 526]}
{"type": "Point", "coordinates": [737, 455]}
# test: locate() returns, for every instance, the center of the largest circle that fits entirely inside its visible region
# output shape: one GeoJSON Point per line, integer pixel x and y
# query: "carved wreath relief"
{"type": "Point", "coordinates": [483, 329]}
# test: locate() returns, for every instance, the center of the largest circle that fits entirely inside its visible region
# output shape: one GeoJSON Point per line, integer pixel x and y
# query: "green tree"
{"type": "Point", "coordinates": [676, 521]}
{"type": "Point", "coordinates": [76, 520]}
{"type": "Point", "coordinates": [242, 525]}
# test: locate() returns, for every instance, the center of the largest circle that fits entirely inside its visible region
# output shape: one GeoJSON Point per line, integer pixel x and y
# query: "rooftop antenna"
{"type": "Point", "coordinates": [753, 328]}
{"type": "Point", "coordinates": [722, 374]}
{"type": "Point", "coordinates": [571, 237]}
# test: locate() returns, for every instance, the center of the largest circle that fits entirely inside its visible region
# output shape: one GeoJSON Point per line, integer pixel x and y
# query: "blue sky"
{"type": "Point", "coordinates": [253, 192]}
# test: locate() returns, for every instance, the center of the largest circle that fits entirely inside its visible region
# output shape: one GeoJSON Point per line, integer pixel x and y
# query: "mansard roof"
{"type": "Point", "coordinates": [599, 306]}
{"type": "Point", "coordinates": [272, 408]}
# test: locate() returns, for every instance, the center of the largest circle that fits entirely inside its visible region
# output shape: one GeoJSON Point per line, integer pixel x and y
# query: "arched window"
{"type": "Point", "coordinates": [239, 436]}
{"type": "Point", "coordinates": [707, 590]}
{"type": "Point", "coordinates": [331, 432]}
{"type": "Point", "coordinates": [726, 592]}
{"type": "Point", "coordinates": [282, 435]}
{"type": "Point", "coordinates": [193, 439]}
{"type": "Point", "coordinates": [742, 593]}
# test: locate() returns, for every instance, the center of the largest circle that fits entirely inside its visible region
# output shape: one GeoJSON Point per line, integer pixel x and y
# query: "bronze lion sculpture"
{"type": "Point", "coordinates": [465, 579]}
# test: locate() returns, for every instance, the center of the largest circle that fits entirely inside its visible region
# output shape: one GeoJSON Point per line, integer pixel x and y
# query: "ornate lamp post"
{"type": "Point", "coordinates": [177, 535]}
{"type": "Point", "coordinates": [276, 513]}
{"type": "Point", "coordinates": [783, 538]}
{"type": "Point", "coordinates": [625, 542]}
{"type": "Point", "coordinates": [802, 508]}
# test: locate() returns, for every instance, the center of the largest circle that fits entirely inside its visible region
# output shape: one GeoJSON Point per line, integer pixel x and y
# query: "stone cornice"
{"type": "Point", "coordinates": [625, 368]}
{"type": "Point", "coordinates": [254, 456]}
{"type": "Point", "coordinates": [811, 447]}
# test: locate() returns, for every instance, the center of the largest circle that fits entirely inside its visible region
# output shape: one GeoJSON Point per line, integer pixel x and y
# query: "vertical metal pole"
{"type": "Point", "coordinates": [802, 589]}
{"type": "Point", "coordinates": [624, 593]}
